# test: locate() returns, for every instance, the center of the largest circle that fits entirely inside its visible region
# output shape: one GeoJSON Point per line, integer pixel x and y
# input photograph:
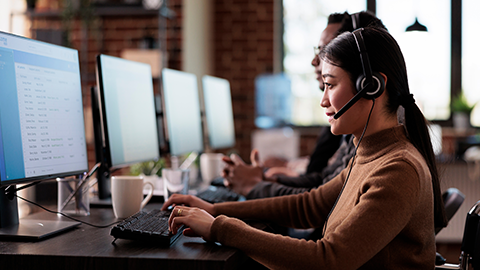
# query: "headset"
{"type": "Point", "coordinates": [355, 20]}
{"type": "Point", "coordinates": [370, 85]}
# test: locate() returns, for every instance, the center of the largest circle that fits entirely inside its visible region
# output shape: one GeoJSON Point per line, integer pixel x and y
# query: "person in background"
{"type": "Point", "coordinates": [331, 153]}
{"type": "Point", "coordinates": [327, 143]}
{"type": "Point", "coordinates": [378, 213]}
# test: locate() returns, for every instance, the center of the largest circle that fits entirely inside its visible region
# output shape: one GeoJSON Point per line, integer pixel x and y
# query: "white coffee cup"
{"type": "Point", "coordinates": [127, 195]}
{"type": "Point", "coordinates": [211, 166]}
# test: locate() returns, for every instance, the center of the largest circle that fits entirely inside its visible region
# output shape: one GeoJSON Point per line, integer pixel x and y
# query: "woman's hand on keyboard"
{"type": "Point", "coordinates": [198, 222]}
{"type": "Point", "coordinates": [188, 200]}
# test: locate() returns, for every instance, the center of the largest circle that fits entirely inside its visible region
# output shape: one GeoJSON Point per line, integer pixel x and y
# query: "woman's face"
{"type": "Point", "coordinates": [339, 89]}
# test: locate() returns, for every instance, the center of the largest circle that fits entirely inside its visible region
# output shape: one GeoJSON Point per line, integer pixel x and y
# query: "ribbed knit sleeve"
{"type": "Point", "coordinates": [266, 189]}
{"type": "Point", "coordinates": [291, 210]}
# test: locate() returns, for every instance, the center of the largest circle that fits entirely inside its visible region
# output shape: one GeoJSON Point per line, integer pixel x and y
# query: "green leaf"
{"type": "Point", "coordinates": [460, 104]}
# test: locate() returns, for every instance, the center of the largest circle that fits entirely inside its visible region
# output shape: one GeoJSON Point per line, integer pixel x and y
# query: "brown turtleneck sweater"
{"type": "Point", "coordinates": [383, 219]}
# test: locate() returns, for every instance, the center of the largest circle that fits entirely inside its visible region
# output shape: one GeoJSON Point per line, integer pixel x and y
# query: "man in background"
{"type": "Point", "coordinates": [331, 154]}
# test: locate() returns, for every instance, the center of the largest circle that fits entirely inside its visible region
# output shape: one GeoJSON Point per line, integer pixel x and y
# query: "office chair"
{"type": "Point", "coordinates": [470, 250]}
{"type": "Point", "coordinates": [452, 200]}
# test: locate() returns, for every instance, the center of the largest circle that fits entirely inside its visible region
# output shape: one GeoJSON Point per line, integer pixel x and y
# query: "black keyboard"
{"type": "Point", "coordinates": [215, 194]}
{"type": "Point", "coordinates": [146, 226]}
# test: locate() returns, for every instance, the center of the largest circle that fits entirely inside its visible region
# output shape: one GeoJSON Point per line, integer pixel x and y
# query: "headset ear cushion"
{"type": "Point", "coordinates": [376, 90]}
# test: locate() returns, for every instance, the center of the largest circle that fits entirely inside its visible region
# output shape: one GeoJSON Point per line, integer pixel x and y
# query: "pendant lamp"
{"type": "Point", "coordinates": [416, 26]}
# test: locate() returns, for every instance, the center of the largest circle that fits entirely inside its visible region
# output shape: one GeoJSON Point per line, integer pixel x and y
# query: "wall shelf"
{"type": "Point", "coordinates": [120, 10]}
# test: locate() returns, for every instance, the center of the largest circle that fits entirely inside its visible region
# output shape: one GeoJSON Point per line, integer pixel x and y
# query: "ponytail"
{"type": "Point", "coordinates": [417, 130]}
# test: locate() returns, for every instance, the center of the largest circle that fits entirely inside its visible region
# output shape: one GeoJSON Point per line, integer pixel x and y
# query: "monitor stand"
{"type": "Point", "coordinates": [35, 230]}
{"type": "Point", "coordinates": [104, 197]}
{"type": "Point", "coordinates": [13, 228]}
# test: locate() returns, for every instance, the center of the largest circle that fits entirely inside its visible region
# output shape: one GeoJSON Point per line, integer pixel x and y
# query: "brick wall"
{"type": "Point", "coordinates": [243, 49]}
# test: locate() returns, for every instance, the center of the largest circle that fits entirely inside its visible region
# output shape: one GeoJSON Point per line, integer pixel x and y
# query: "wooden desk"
{"type": "Point", "coordinates": [86, 247]}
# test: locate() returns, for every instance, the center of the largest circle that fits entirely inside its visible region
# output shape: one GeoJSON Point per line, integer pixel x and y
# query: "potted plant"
{"type": "Point", "coordinates": [461, 112]}
{"type": "Point", "coordinates": [148, 167]}
{"type": "Point", "coordinates": [150, 170]}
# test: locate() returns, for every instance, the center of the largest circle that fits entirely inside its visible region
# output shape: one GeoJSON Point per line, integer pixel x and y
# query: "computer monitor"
{"type": "Point", "coordinates": [182, 112]}
{"type": "Point", "coordinates": [42, 132]}
{"type": "Point", "coordinates": [273, 100]}
{"type": "Point", "coordinates": [124, 117]}
{"type": "Point", "coordinates": [218, 112]}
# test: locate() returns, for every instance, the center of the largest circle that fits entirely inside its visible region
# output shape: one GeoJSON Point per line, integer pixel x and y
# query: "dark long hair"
{"type": "Point", "coordinates": [386, 57]}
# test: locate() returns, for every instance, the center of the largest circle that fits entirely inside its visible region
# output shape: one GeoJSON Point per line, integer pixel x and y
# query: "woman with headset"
{"type": "Point", "coordinates": [381, 211]}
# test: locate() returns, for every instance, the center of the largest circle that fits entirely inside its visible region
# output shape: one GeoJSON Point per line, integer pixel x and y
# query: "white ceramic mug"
{"type": "Point", "coordinates": [127, 195]}
{"type": "Point", "coordinates": [211, 166]}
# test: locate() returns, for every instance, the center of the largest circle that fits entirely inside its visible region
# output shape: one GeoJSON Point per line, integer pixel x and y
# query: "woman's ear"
{"type": "Point", "coordinates": [384, 78]}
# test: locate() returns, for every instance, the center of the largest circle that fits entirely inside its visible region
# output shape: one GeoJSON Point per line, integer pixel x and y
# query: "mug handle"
{"type": "Point", "coordinates": [149, 195]}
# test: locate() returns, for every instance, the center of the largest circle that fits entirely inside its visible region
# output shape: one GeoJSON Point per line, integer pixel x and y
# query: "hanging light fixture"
{"type": "Point", "coordinates": [416, 26]}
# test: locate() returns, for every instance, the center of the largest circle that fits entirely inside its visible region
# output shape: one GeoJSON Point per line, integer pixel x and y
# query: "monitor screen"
{"type": "Point", "coordinates": [127, 111]}
{"type": "Point", "coordinates": [273, 100]}
{"type": "Point", "coordinates": [42, 132]}
{"type": "Point", "coordinates": [182, 112]}
{"type": "Point", "coordinates": [218, 112]}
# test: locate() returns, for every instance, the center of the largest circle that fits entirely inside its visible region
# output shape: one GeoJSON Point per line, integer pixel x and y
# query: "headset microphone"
{"type": "Point", "coordinates": [350, 103]}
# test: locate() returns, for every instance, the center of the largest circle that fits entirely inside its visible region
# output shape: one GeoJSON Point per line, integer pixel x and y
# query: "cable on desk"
{"type": "Point", "coordinates": [67, 216]}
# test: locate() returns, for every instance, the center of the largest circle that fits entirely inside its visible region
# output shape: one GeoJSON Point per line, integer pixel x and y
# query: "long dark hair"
{"type": "Point", "coordinates": [386, 57]}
